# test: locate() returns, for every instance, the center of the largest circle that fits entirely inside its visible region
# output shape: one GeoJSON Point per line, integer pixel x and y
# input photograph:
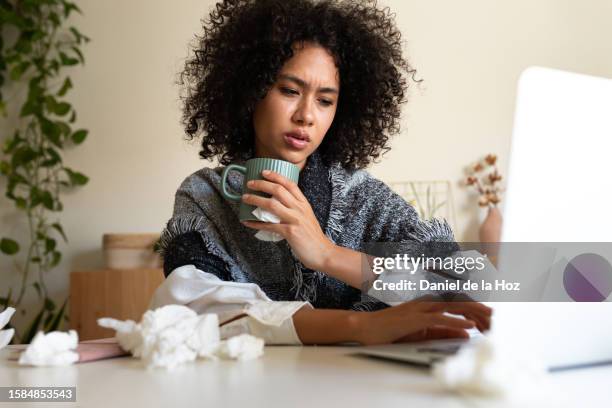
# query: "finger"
{"type": "Point", "coordinates": [265, 226]}
{"type": "Point", "coordinates": [441, 332]}
{"type": "Point", "coordinates": [412, 337]}
{"type": "Point", "coordinates": [424, 304]}
{"type": "Point", "coordinates": [424, 298]}
{"type": "Point", "coordinates": [478, 321]}
{"type": "Point", "coordinates": [285, 182]}
{"type": "Point", "coordinates": [477, 307]}
{"type": "Point", "coordinates": [439, 319]}
{"type": "Point", "coordinates": [436, 306]}
{"type": "Point", "coordinates": [269, 204]}
{"type": "Point", "coordinates": [473, 310]}
{"type": "Point", "coordinates": [435, 333]}
{"type": "Point", "coordinates": [278, 191]}
{"type": "Point", "coordinates": [481, 320]}
{"type": "Point", "coordinates": [483, 323]}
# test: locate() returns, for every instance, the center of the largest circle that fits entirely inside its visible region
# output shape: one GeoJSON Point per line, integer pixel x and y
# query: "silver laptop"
{"type": "Point", "coordinates": [559, 190]}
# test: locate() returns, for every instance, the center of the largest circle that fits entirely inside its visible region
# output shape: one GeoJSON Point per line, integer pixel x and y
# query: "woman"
{"type": "Point", "coordinates": [318, 84]}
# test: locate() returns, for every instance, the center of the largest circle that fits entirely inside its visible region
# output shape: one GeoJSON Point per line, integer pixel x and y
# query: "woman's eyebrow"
{"type": "Point", "coordinates": [304, 84]}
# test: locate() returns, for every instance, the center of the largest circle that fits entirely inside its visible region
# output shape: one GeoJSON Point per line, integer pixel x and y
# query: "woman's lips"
{"type": "Point", "coordinates": [294, 141]}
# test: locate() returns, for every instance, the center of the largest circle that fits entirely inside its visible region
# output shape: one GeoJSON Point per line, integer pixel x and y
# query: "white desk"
{"type": "Point", "coordinates": [284, 377]}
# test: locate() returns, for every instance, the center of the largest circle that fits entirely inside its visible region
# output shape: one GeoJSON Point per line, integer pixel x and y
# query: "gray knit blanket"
{"type": "Point", "coordinates": [352, 207]}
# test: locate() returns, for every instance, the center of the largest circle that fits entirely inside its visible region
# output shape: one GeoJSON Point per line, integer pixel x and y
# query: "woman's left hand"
{"type": "Point", "coordinates": [298, 224]}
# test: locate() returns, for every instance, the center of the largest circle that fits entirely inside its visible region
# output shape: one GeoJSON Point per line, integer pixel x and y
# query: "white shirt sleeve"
{"type": "Point", "coordinates": [245, 307]}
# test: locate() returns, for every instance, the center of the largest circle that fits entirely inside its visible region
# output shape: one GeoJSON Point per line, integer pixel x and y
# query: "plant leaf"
{"type": "Point", "coordinates": [53, 156]}
{"type": "Point", "coordinates": [5, 168]}
{"type": "Point", "coordinates": [50, 244]}
{"type": "Point", "coordinates": [21, 202]}
{"type": "Point", "coordinates": [57, 257]}
{"type": "Point", "coordinates": [6, 301]}
{"type": "Point", "coordinates": [33, 328]}
{"type": "Point", "coordinates": [49, 304]}
{"type": "Point", "coordinates": [58, 317]}
{"type": "Point", "coordinates": [38, 290]}
{"type": "Point", "coordinates": [79, 54]}
{"type": "Point", "coordinates": [19, 70]}
{"type": "Point", "coordinates": [23, 155]}
{"type": "Point", "coordinates": [35, 197]}
{"type": "Point", "coordinates": [12, 142]}
{"type": "Point", "coordinates": [69, 7]}
{"type": "Point", "coordinates": [79, 136]}
{"type": "Point", "coordinates": [62, 108]}
{"type": "Point", "coordinates": [54, 19]}
{"type": "Point", "coordinates": [47, 200]}
{"type": "Point", "coordinates": [52, 131]}
{"type": "Point", "coordinates": [65, 87]}
{"type": "Point", "coordinates": [76, 178]}
{"type": "Point", "coordinates": [48, 321]}
{"type": "Point", "coordinates": [9, 246]}
{"type": "Point", "coordinates": [66, 60]}
{"type": "Point", "coordinates": [59, 229]}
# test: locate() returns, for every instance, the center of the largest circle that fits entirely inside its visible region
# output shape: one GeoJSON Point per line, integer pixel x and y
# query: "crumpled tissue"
{"type": "Point", "coordinates": [167, 336]}
{"type": "Point", "coordinates": [174, 334]}
{"type": "Point", "coordinates": [489, 367]}
{"type": "Point", "coordinates": [242, 347]}
{"type": "Point", "coordinates": [6, 335]}
{"type": "Point", "coordinates": [51, 349]}
{"type": "Point", "coordinates": [267, 216]}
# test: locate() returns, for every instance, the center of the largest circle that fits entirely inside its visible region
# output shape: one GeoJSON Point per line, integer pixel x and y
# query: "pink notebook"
{"type": "Point", "coordinates": [90, 350]}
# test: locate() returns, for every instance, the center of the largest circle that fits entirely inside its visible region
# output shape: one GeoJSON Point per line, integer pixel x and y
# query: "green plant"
{"type": "Point", "coordinates": [37, 47]}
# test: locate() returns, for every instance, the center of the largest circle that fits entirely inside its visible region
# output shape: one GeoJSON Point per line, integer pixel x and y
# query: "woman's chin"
{"type": "Point", "coordinates": [296, 158]}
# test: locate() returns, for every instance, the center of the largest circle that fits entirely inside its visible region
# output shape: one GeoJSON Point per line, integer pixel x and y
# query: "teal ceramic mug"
{"type": "Point", "coordinates": [252, 171]}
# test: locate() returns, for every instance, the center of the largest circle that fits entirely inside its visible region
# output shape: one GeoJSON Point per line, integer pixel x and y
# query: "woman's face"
{"type": "Point", "coordinates": [292, 119]}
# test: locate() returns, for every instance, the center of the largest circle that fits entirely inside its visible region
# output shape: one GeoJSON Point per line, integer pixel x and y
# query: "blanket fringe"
{"type": "Point", "coordinates": [432, 230]}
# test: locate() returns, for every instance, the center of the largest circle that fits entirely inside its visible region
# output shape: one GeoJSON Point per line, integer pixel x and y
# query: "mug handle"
{"type": "Point", "coordinates": [226, 171]}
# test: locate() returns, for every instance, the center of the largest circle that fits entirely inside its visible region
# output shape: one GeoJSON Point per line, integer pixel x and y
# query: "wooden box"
{"type": "Point", "coordinates": [118, 293]}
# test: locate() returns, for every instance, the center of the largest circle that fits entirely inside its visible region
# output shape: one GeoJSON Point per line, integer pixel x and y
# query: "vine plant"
{"type": "Point", "coordinates": [37, 49]}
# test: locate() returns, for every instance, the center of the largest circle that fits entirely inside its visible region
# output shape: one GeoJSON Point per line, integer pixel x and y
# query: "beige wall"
{"type": "Point", "coordinates": [470, 54]}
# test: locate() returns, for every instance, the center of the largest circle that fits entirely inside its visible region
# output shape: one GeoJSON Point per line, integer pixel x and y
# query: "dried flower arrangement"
{"type": "Point", "coordinates": [485, 177]}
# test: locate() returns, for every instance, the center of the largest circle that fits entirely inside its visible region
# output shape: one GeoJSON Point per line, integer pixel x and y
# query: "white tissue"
{"type": "Point", "coordinates": [205, 338]}
{"type": "Point", "coordinates": [6, 335]}
{"type": "Point", "coordinates": [490, 367]}
{"type": "Point", "coordinates": [51, 349]}
{"type": "Point", "coordinates": [168, 336]}
{"type": "Point", "coordinates": [242, 347]}
{"type": "Point", "coordinates": [266, 216]}
{"type": "Point", "coordinates": [174, 334]}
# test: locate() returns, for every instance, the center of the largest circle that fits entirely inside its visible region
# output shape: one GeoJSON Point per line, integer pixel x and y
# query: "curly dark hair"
{"type": "Point", "coordinates": [246, 42]}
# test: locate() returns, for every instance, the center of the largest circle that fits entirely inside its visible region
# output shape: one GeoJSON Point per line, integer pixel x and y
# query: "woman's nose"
{"type": "Point", "coordinates": [303, 114]}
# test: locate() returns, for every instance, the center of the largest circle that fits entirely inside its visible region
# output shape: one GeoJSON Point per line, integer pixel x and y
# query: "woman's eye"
{"type": "Point", "coordinates": [289, 91]}
{"type": "Point", "coordinates": [326, 102]}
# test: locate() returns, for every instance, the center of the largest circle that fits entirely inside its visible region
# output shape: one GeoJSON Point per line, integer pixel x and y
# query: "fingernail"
{"type": "Point", "coordinates": [250, 183]}
{"type": "Point", "coordinates": [265, 172]}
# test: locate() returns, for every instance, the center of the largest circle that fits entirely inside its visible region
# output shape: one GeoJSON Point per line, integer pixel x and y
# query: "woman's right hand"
{"type": "Point", "coordinates": [421, 319]}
